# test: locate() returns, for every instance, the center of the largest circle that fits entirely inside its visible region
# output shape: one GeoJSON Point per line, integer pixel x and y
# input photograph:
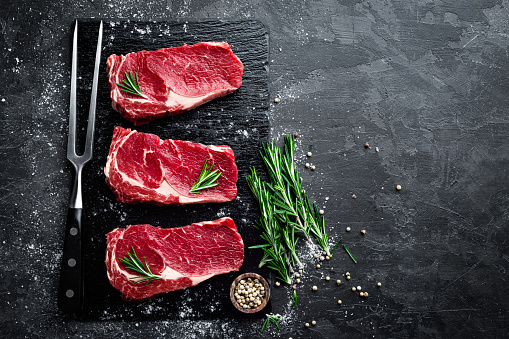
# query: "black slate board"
{"type": "Point", "coordinates": [238, 120]}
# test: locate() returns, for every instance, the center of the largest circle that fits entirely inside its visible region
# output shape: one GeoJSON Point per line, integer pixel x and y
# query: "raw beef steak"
{"type": "Point", "coordinates": [143, 168]}
{"type": "Point", "coordinates": [182, 256]}
{"type": "Point", "coordinates": [173, 80]}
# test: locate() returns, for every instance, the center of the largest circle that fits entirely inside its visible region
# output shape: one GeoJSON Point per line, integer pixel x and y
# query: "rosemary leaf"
{"type": "Point", "coordinates": [259, 246]}
{"type": "Point", "coordinates": [350, 254]}
{"type": "Point", "coordinates": [294, 300]}
{"type": "Point", "coordinates": [337, 243]}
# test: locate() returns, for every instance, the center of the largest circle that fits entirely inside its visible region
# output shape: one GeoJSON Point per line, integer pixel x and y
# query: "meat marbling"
{"type": "Point", "coordinates": [174, 79]}
{"type": "Point", "coordinates": [143, 168]}
{"type": "Point", "coordinates": [182, 256]}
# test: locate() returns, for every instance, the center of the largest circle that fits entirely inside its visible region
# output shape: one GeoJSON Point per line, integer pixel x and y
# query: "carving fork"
{"type": "Point", "coordinates": [70, 290]}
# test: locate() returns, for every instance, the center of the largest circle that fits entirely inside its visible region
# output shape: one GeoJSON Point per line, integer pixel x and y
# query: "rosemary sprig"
{"type": "Point", "coordinates": [350, 254]}
{"type": "Point", "coordinates": [317, 226]}
{"type": "Point", "coordinates": [286, 210]}
{"type": "Point", "coordinates": [282, 187]}
{"type": "Point", "coordinates": [270, 319]}
{"type": "Point", "coordinates": [131, 85]}
{"type": "Point", "coordinates": [274, 252]}
{"type": "Point", "coordinates": [288, 233]}
{"type": "Point", "coordinates": [294, 300]}
{"type": "Point", "coordinates": [313, 222]}
{"type": "Point", "coordinates": [207, 179]}
{"type": "Point", "coordinates": [132, 262]}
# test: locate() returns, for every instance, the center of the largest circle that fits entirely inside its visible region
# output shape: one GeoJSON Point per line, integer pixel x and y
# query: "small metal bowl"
{"type": "Point", "coordinates": [252, 276]}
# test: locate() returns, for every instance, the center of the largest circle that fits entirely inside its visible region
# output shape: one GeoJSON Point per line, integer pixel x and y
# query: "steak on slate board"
{"type": "Point", "coordinates": [239, 120]}
{"type": "Point", "coordinates": [143, 168]}
{"type": "Point", "coordinates": [173, 80]}
{"type": "Point", "coordinates": [181, 256]}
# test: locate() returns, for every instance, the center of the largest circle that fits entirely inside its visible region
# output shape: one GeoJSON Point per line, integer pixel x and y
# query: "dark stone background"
{"type": "Point", "coordinates": [424, 82]}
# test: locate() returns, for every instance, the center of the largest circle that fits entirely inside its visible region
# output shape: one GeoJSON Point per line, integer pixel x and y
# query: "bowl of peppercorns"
{"type": "Point", "coordinates": [249, 293]}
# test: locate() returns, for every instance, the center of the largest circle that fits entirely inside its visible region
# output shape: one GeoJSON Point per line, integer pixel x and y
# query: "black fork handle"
{"type": "Point", "coordinates": [70, 290]}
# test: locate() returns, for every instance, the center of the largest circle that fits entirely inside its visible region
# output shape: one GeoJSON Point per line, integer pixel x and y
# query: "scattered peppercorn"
{"type": "Point", "coordinates": [277, 283]}
{"type": "Point", "coordinates": [318, 266]}
{"type": "Point", "coordinates": [361, 294]}
{"type": "Point", "coordinates": [339, 302]}
{"type": "Point", "coordinates": [276, 100]}
{"type": "Point", "coordinates": [348, 229]}
{"type": "Point", "coordinates": [378, 284]}
{"type": "Point", "coordinates": [327, 257]}
{"type": "Point", "coordinates": [313, 322]}
{"type": "Point", "coordinates": [324, 253]}
{"type": "Point", "coordinates": [366, 145]}
{"type": "Point", "coordinates": [354, 196]}
{"type": "Point", "coordinates": [300, 271]}
{"type": "Point", "coordinates": [322, 258]}
{"type": "Point", "coordinates": [398, 187]}
{"type": "Point", "coordinates": [315, 288]}
{"type": "Point", "coordinates": [347, 277]}
{"type": "Point", "coordinates": [294, 287]}
{"type": "Point", "coordinates": [365, 294]}
{"type": "Point", "coordinates": [313, 167]}
{"type": "Point", "coordinates": [296, 134]}
{"type": "Point", "coordinates": [307, 165]}
{"type": "Point", "coordinates": [354, 289]}
{"type": "Point", "coordinates": [321, 211]}
{"type": "Point", "coordinates": [347, 273]}
{"type": "Point", "coordinates": [315, 255]}
{"type": "Point", "coordinates": [327, 278]}
{"type": "Point", "coordinates": [297, 281]}
{"type": "Point", "coordinates": [309, 154]}
{"type": "Point", "coordinates": [358, 288]}
{"type": "Point", "coordinates": [297, 275]}
{"type": "Point", "coordinates": [306, 324]}
{"type": "Point", "coordinates": [363, 232]}
{"type": "Point", "coordinates": [338, 281]}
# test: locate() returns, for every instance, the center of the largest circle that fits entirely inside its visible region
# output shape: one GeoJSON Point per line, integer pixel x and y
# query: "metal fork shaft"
{"type": "Point", "coordinates": [76, 200]}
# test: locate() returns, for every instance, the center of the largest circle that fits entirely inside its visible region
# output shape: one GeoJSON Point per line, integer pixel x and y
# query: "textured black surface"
{"type": "Point", "coordinates": [423, 81]}
{"type": "Point", "coordinates": [238, 120]}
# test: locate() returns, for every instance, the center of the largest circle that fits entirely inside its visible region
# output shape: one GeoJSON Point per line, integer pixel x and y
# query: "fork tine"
{"type": "Point", "coordinates": [91, 115]}
{"type": "Point", "coordinates": [71, 138]}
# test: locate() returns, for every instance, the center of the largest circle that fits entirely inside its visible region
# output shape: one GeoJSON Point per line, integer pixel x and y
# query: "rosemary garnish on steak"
{"type": "Point", "coordinates": [131, 85]}
{"type": "Point", "coordinates": [207, 179]}
{"type": "Point", "coordinates": [132, 262]}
